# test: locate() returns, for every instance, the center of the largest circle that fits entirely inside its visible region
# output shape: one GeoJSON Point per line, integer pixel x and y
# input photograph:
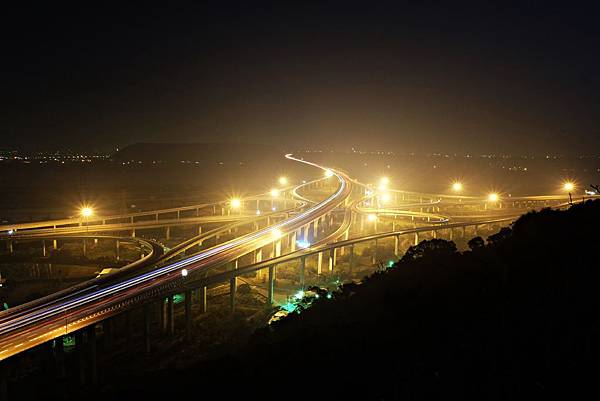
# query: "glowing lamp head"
{"type": "Point", "coordinates": [386, 197]}
{"type": "Point", "coordinates": [283, 181]}
{"type": "Point", "coordinates": [276, 233]}
{"type": "Point", "coordinates": [236, 203]}
{"type": "Point", "coordinates": [493, 197]}
{"type": "Point", "coordinates": [384, 181]}
{"type": "Point", "coordinates": [86, 211]}
{"type": "Point", "coordinates": [371, 217]}
{"type": "Point", "coordinates": [457, 186]}
{"type": "Point", "coordinates": [184, 272]}
{"type": "Point", "coordinates": [568, 186]}
{"type": "Point", "coordinates": [328, 173]}
{"type": "Point", "coordinates": [274, 192]}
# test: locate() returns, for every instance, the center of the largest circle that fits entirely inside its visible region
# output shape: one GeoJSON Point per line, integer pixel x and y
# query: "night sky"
{"type": "Point", "coordinates": [380, 76]}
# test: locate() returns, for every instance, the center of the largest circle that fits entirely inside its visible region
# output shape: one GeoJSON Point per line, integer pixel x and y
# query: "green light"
{"type": "Point", "coordinates": [178, 298]}
{"type": "Point", "coordinates": [390, 263]}
{"type": "Point", "coordinates": [68, 341]}
{"type": "Point", "coordinates": [289, 307]}
{"type": "Point", "coordinates": [329, 296]}
{"type": "Point", "coordinates": [299, 295]}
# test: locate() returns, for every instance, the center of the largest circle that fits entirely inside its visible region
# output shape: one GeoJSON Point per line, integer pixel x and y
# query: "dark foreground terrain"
{"type": "Point", "coordinates": [515, 317]}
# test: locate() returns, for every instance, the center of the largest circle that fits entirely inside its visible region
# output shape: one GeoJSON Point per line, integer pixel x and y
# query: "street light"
{"type": "Point", "coordinates": [328, 173]}
{"type": "Point", "coordinates": [283, 181]}
{"type": "Point", "coordinates": [457, 186]}
{"type": "Point", "coordinates": [235, 203]}
{"type": "Point", "coordinates": [568, 186]}
{"type": "Point", "coordinates": [86, 211]}
{"type": "Point", "coordinates": [384, 181]}
{"type": "Point", "coordinates": [372, 217]}
{"type": "Point", "coordinates": [274, 192]}
{"type": "Point", "coordinates": [386, 197]}
{"type": "Point", "coordinates": [276, 233]}
{"type": "Point", "coordinates": [493, 197]}
{"type": "Point", "coordinates": [184, 272]}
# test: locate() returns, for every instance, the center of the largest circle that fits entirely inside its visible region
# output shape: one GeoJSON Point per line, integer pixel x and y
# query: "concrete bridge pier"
{"type": "Point", "coordinates": [271, 285]}
{"type": "Point", "coordinates": [351, 260]}
{"type": "Point", "coordinates": [117, 251]}
{"type": "Point", "coordinates": [293, 241]}
{"type": "Point", "coordinates": [43, 247]}
{"type": "Point", "coordinates": [233, 288]}
{"type": "Point", "coordinates": [168, 232]}
{"type": "Point", "coordinates": [59, 358]}
{"type": "Point", "coordinates": [54, 245]}
{"type": "Point", "coordinates": [202, 299]}
{"type": "Point", "coordinates": [397, 246]}
{"type": "Point", "coordinates": [374, 255]}
{"type": "Point", "coordinates": [170, 316]}
{"type": "Point", "coordinates": [80, 350]}
{"type": "Point", "coordinates": [319, 262]}
{"type": "Point", "coordinates": [301, 269]}
{"type": "Point", "coordinates": [108, 329]}
{"type": "Point", "coordinates": [416, 242]}
{"type": "Point", "coordinates": [147, 323]}
{"type": "Point", "coordinates": [93, 357]}
{"type": "Point", "coordinates": [332, 259]}
{"type": "Point", "coordinates": [188, 315]}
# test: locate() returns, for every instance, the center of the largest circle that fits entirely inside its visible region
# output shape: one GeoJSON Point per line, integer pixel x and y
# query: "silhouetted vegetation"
{"type": "Point", "coordinates": [513, 318]}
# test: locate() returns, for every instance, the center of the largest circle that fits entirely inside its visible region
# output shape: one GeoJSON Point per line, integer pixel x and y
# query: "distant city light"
{"type": "Point", "coordinates": [371, 217]}
{"type": "Point", "coordinates": [328, 173]}
{"type": "Point", "coordinates": [283, 181]}
{"type": "Point", "coordinates": [493, 197]}
{"type": "Point", "coordinates": [457, 186]}
{"type": "Point", "coordinates": [274, 192]}
{"type": "Point", "coordinates": [236, 203]}
{"type": "Point", "coordinates": [86, 211]}
{"type": "Point", "coordinates": [11, 232]}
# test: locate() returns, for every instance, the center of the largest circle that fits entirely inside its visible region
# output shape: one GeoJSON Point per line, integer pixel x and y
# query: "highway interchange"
{"type": "Point", "coordinates": [163, 271]}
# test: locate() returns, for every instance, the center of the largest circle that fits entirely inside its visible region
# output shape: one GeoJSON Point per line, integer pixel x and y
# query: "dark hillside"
{"type": "Point", "coordinates": [514, 318]}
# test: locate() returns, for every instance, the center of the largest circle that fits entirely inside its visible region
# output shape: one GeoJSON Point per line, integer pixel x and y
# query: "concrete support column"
{"type": "Point", "coordinates": [293, 241]}
{"type": "Point", "coordinates": [133, 232]}
{"type": "Point", "coordinates": [319, 262]}
{"type": "Point", "coordinates": [203, 305]}
{"type": "Point", "coordinates": [117, 253]}
{"type": "Point", "coordinates": [43, 248]}
{"type": "Point", "coordinates": [397, 246]}
{"type": "Point", "coordinates": [108, 329]}
{"type": "Point", "coordinates": [277, 246]}
{"type": "Point", "coordinates": [170, 315]}
{"type": "Point", "coordinates": [315, 229]}
{"type": "Point", "coordinates": [271, 285]}
{"type": "Point", "coordinates": [188, 315]}
{"type": "Point", "coordinates": [84, 246]}
{"type": "Point", "coordinates": [233, 288]}
{"type": "Point", "coordinates": [168, 233]}
{"type": "Point", "coordinates": [374, 255]}
{"type": "Point", "coordinates": [59, 352]}
{"type": "Point", "coordinates": [302, 267]}
{"type": "Point", "coordinates": [351, 260]}
{"type": "Point", "coordinates": [433, 233]}
{"type": "Point", "coordinates": [342, 249]}
{"type": "Point", "coordinates": [10, 247]}
{"type": "Point", "coordinates": [451, 234]}
{"type": "Point", "coordinates": [54, 245]}
{"type": "Point", "coordinates": [416, 239]}
{"type": "Point", "coordinates": [80, 355]}
{"type": "Point", "coordinates": [147, 323]}
{"type": "Point", "coordinates": [331, 263]}
{"type": "Point", "coordinates": [93, 361]}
